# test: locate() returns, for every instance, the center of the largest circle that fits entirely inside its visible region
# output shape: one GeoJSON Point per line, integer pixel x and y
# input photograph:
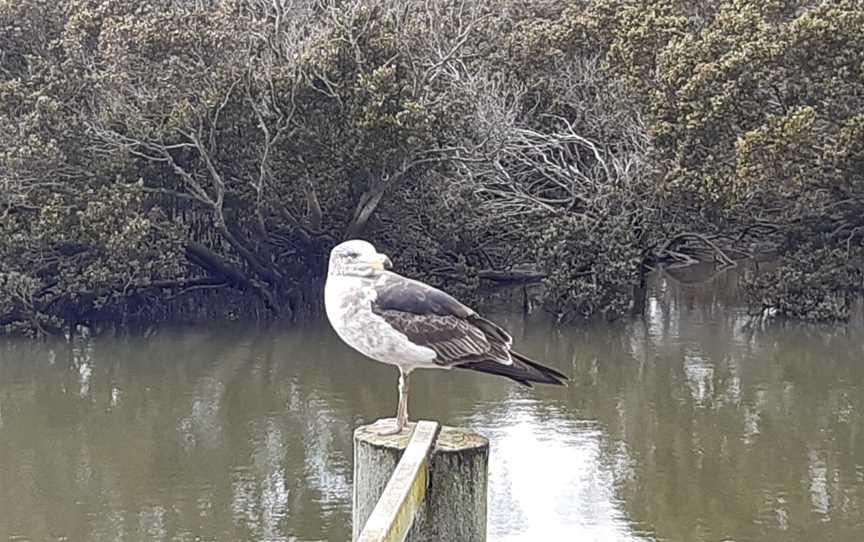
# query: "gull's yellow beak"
{"type": "Point", "coordinates": [381, 262]}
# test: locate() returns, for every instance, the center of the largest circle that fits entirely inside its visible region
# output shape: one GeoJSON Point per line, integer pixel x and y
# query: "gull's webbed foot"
{"type": "Point", "coordinates": [388, 426]}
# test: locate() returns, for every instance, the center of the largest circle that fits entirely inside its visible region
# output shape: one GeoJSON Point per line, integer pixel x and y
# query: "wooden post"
{"type": "Point", "coordinates": [405, 493]}
{"type": "Point", "coordinates": [454, 507]}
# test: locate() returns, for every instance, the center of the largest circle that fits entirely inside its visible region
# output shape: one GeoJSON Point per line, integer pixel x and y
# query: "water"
{"type": "Point", "coordinates": [687, 425]}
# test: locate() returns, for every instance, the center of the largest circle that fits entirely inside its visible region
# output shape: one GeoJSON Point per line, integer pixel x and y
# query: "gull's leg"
{"type": "Point", "coordinates": [402, 409]}
{"type": "Point", "coordinates": [403, 389]}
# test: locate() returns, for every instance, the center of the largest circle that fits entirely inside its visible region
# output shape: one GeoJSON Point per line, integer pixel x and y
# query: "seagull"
{"type": "Point", "coordinates": [404, 322]}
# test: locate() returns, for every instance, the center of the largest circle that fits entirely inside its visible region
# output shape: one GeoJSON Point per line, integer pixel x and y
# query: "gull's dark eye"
{"type": "Point", "coordinates": [352, 254]}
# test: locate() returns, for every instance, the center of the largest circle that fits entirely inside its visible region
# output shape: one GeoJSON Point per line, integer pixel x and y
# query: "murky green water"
{"type": "Point", "coordinates": [685, 426]}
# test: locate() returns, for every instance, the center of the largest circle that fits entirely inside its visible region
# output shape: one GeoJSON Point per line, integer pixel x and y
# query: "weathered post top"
{"type": "Point", "coordinates": [450, 439]}
{"type": "Point", "coordinates": [454, 504]}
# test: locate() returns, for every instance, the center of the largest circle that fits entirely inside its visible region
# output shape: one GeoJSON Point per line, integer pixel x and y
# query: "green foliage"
{"type": "Point", "coordinates": [593, 272]}
{"type": "Point", "coordinates": [817, 285]}
{"type": "Point", "coordinates": [753, 113]}
{"type": "Point", "coordinates": [160, 149]}
{"type": "Point", "coordinates": [69, 260]}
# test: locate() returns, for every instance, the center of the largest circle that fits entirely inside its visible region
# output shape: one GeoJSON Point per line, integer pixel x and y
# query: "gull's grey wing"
{"type": "Point", "coordinates": [395, 292]}
{"type": "Point", "coordinates": [454, 340]}
{"type": "Point", "coordinates": [437, 320]}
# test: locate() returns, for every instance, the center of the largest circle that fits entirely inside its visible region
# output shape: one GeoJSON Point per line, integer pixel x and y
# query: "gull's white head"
{"type": "Point", "coordinates": [357, 258]}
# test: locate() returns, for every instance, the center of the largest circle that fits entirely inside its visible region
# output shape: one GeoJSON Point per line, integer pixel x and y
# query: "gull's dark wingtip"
{"type": "Point", "coordinates": [523, 370]}
{"type": "Point", "coordinates": [549, 375]}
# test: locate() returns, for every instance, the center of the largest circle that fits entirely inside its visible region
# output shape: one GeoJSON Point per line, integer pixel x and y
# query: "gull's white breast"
{"type": "Point", "coordinates": [348, 302]}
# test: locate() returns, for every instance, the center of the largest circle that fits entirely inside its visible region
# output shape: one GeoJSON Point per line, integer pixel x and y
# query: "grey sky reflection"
{"type": "Point", "coordinates": [550, 478]}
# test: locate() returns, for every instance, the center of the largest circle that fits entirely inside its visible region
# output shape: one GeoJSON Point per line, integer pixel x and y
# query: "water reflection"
{"type": "Point", "coordinates": [688, 425]}
{"type": "Point", "coordinates": [557, 477]}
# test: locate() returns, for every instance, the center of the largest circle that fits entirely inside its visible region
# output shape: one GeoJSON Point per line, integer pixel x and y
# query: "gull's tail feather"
{"type": "Point", "coordinates": [523, 370]}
